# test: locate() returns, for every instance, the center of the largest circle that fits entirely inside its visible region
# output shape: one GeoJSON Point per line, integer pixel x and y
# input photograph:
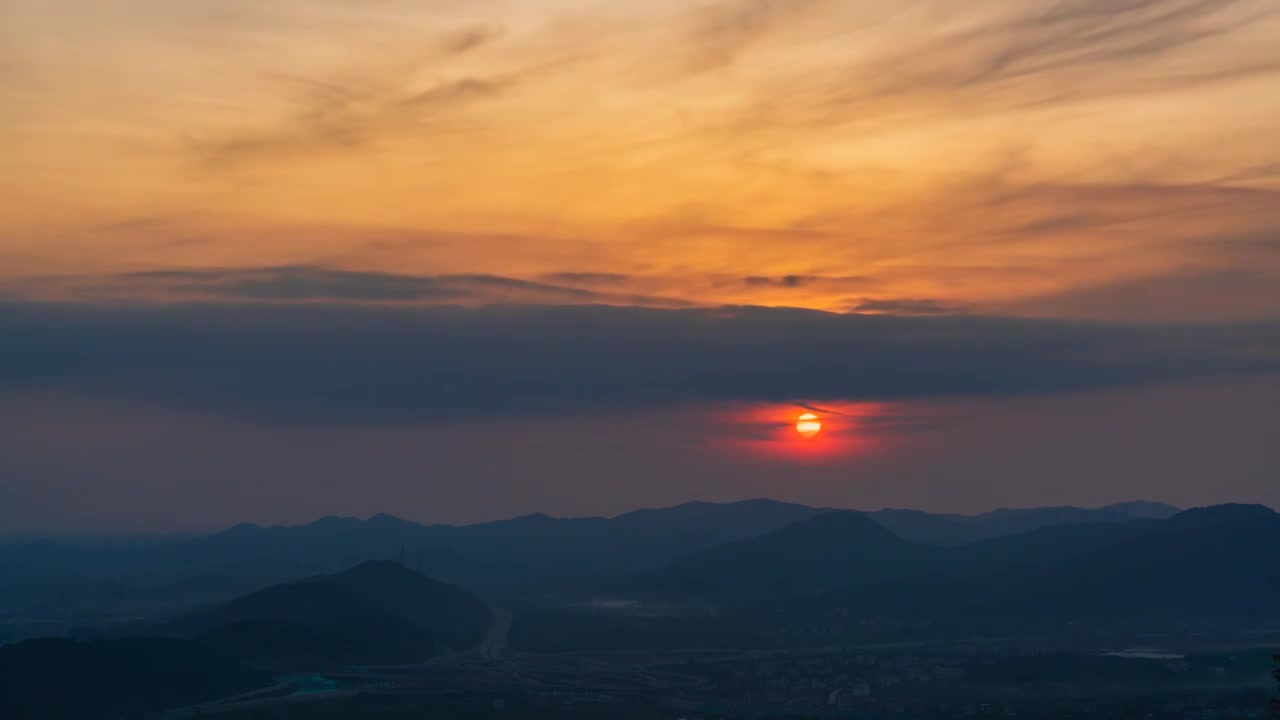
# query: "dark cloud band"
{"type": "Point", "coordinates": [331, 363]}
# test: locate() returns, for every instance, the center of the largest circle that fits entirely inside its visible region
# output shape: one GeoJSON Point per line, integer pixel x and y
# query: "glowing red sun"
{"type": "Point", "coordinates": [808, 425]}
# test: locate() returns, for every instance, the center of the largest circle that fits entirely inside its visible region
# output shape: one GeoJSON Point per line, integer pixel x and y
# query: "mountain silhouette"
{"type": "Point", "coordinates": [498, 555]}
{"type": "Point", "coordinates": [1205, 562]}
{"type": "Point", "coordinates": [950, 529]}
{"type": "Point", "coordinates": [376, 612]}
{"type": "Point", "coordinates": [835, 550]}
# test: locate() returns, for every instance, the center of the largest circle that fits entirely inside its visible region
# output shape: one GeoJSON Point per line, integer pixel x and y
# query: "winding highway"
{"type": "Point", "coordinates": [494, 644]}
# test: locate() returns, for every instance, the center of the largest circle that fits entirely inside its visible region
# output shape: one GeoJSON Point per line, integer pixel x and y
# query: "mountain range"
{"type": "Point", "coordinates": [507, 551]}
{"type": "Point", "coordinates": [1214, 562]}
{"type": "Point", "coordinates": [1131, 568]}
{"type": "Point", "coordinates": [1047, 562]}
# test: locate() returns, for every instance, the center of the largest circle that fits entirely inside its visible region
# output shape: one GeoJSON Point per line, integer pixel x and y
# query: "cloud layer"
{"type": "Point", "coordinates": [1027, 157]}
{"type": "Point", "coordinates": [344, 364]}
{"type": "Point", "coordinates": [302, 283]}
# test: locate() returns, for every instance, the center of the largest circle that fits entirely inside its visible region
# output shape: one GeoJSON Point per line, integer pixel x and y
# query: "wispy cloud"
{"type": "Point", "coordinates": [982, 57]}
{"type": "Point", "coordinates": [812, 153]}
{"type": "Point", "coordinates": [726, 28]}
{"type": "Point", "coordinates": [353, 110]}
{"type": "Point", "coordinates": [321, 284]}
{"type": "Point", "coordinates": [336, 117]}
{"type": "Point", "coordinates": [471, 37]}
{"type": "Point", "coordinates": [588, 278]}
{"type": "Point", "coordinates": [903, 306]}
{"type": "Point", "coordinates": [798, 281]}
{"type": "Point", "coordinates": [1189, 294]}
{"type": "Point", "coordinates": [1082, 34]}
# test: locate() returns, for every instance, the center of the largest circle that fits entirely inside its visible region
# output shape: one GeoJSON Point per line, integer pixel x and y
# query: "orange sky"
{"type": "Point", "coordinates": [1086, 158]}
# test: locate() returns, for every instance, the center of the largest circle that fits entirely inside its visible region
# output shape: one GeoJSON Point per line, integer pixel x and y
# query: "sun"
{"type": "Point", "coordinates": [808, 425]}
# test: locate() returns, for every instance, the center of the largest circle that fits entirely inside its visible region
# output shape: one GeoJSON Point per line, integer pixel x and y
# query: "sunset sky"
{"type": "Point", "coordinates": [459, 261]}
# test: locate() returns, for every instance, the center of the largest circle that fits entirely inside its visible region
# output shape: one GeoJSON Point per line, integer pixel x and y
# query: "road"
{"type": "Point", "coordinates": [494, 644]}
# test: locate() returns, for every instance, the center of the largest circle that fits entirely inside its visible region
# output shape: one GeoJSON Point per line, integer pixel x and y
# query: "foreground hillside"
{"type": "Point", "coordinates": [52, 679]}
{"type": "Point", "coordinates": [374, 613]}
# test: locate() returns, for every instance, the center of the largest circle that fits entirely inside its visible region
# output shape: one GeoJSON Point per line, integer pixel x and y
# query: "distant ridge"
{"type": "Point", "coordinates": [1130, 509]}
{"type": "Point", "coordinates": [1143, 509]}
{"type": "Point", "coordinates": [837, 548]}
{"type": "Point", "coordinates": [1208, 561]}
{"type": "Point", "coordinates": [1211, 562]}
{"type": "Point", "coordinates": [1225, 514]}
{"type": "Point", "coordinates": [951, 529]}
{"type": "Point", "coordinates": [534, 548]}
{"type": "Point", "coordinates": [916, 525]}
